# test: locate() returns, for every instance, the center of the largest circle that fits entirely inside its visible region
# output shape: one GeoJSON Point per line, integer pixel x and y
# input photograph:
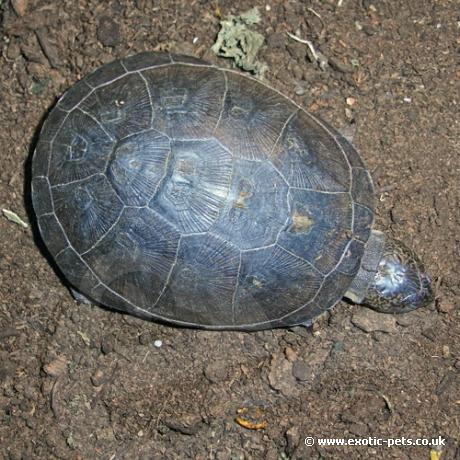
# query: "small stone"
{"type": "Point", "coordinates": [351, 101]}
{"type": "Point", "coordinates": [290, 353]}
{"type": "Point", "coordinates": [31, 422]}
{"type": "Point", "coordinates": [337, 348]}
{"type": "Point", "coordinates": [445, 351]}
{"type": "Point", "coordinates": [108, 345]}
{"type": "Point", "coordinates": [108, 32]}
{"type": "Point", "coordinates": [340, 66]}
{"type": "Point", "coordinates": [145, 338]}
{"type": "Point", "coordinates": [186, 424]}
{"type": "Point", "coordinates": [292, 439]}
{"type": "Point", "coordinates": [297, 50]}
{"type": "Point", "coordinates": [276, 40]}
{"type": "Point", "coordinates": [297, 71]}
{"type": "Point", "coordinates": [301, 371]}
{"type": "Point", "coordinates": [300, 90]}
{"type": "Point", "coordinates": [13, 51]}
{"type": "Point", "coordinates": [358, 429]}
{"type": "Point", "coordinates": [301, 331]}
{"type": "Point", "coordinates": [431, 333]}
{"type": "Point", "coordinates": [19, 7]}
{"type": "Point", "coordinates": [369, 320]}
{"type": "Point", "coordinates": [216, 371]}
{"type": "Point", "coordinates": [280, 376]}
{"type": "Point", "coordinates": [98, 378]}
{"type": "Point", "coordinates": [56, 367]}
{"type": "Point", "coordinates": [407, 319]}
{"type": "Point", "coordinates": [446, 305]}
{"type": "Point", "coordinates": [158, 343]}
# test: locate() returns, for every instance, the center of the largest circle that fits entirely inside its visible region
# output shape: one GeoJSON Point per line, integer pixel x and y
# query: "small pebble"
{"type": "Point", "coordinates": [108, 345]}
{"type": "Point", "coordinates": [56, 367]}
{"type": "Point", "coordinates": [301, 371]}
{"type": "Point", "coordinates": [351, 101]}
{"type": "Point", "coordinates": [216, 371]}
{"type": "Point", "coordinates": [158, 343]}
{"type": "Point", "coordinates": [369, 320]}
{"type": "Point", "coordinates": [108, 32]}
{"type": "Point", "coordinates": [19, 6]}
{"type": "Point", "coordinates": [98, 378]}
{"type": "Point", "coordinates": [145, 338]}
{"type": "Point", "coordinates": [280, 376]}
{"type": "Point", "coordinates": [299, 90]}
{"type": "Point", "coordinates": [290, 353]}
{"type": "Point", "coordinates": [445, 305]}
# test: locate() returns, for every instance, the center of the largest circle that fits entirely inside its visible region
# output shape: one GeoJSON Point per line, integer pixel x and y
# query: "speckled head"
{"type": "Point", "coordinates": [400, 284]}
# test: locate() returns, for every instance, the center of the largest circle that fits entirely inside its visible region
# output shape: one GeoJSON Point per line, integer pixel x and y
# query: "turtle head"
{"type": "Point", "coordinates": [400, 283]}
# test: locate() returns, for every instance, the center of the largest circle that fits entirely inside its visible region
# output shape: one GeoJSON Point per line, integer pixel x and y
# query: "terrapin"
{"type": "Point", "coordinates": [177, 191]}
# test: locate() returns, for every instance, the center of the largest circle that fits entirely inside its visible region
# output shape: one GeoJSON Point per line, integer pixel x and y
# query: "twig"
{"type": "Point", "coordinates": [315, 13]}
{"type": "Point", "coordinates": [317, 55]}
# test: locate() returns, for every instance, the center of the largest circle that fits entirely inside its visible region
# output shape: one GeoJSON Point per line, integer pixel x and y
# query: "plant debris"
{"type": "Point", "coordinates": [251, 418]}
{"type": "Point", "coordinates": [13, 217]}
{"type": "Point", "coordinates": [236, 41]}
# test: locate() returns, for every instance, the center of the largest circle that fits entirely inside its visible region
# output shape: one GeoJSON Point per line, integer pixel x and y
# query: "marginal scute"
{"type": "Point", "coordinates": [137, 165]}
{"type": "Point", "coordinates": [323, 241]}
{"type": "Point", "coordinates": [309, 158]}
{"type": "Point", "coordinates": [52, 234]}
{"type": "Point", "coordinates": [253, 117]}
{"type": "Point", "coordinates": [141, 61]}
{"type": "Point", "coordinates": [272, 283]}
{"type": "Point", "coordinates": [104, 296]}
{"type": "Point", "coordinates": [76, 271]}
{"type": "Point", "coordinates": [87, 210]}
{"type": "Point", "coordinates": [105, 74]}
{"type": "Point", "coordinates": [186, 100]}
{"type": "Point", "coordinates": [74, 95]}
{"type": "Point", "coordinates": [302, 315]}
{"type": "Point", "coordinates": [147, 246]}
{"type": "Point", "coordinates": [196, 185]}
{"type": "Point", "coordinates": [256, 207]}
{"type": "Point", "coordinates": [40, 160]}
{"type": "Point", "coordinates": [202, 283]}
{"type": "Point", "coordinates": [184, 59]}
{"type": "Point", "coordinates": [353, 156]}
{"type": "Point", "coordinates": [362, 222]}
{"type": "Point", "coordinates": [121, 107]}
{"type": "Point", "coordinates": [362, 189]}
{"type": "Point", "coordinates": [79, 150]}
{"type": "Point", "coordinates": [52, 124]}
{"type": "Point", "coordinates": [41, 196]}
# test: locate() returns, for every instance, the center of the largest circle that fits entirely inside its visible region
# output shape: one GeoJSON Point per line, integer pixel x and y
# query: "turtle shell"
{"type": "Point", "coordinates": [174, 190]}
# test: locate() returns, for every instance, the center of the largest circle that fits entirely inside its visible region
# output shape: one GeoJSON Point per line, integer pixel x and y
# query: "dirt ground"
{"type": "Point", "coordinates": [81, 382]}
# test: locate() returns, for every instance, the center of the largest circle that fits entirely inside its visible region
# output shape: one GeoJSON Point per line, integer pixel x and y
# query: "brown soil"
{"type": "Point", "coordinates": [81, 382]}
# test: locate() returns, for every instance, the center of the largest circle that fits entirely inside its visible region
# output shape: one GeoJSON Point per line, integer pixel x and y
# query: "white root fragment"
{"type": "Point", "coordinates": [316, 55]}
